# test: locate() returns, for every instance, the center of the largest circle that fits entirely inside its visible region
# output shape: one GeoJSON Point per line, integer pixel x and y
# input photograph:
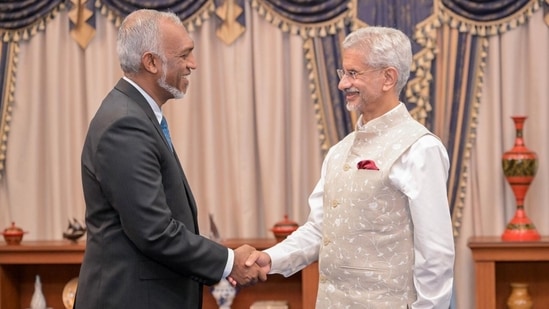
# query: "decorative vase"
{"type": "Point", "coordinates": [224, 293]}
{"type": "Point", "coordinates": [38, 301]}
{"type": "Point", "coordinates": [519, 298]}
{"type": "Point", "coordinates": [519, 167]}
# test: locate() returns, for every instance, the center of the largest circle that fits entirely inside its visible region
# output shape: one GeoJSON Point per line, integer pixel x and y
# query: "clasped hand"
{"type": "Point", "coordinates": [247, 269]}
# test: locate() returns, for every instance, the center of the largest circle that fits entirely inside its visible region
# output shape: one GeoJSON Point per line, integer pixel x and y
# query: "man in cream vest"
{"type": "Point", "coordinates": [379, 223]}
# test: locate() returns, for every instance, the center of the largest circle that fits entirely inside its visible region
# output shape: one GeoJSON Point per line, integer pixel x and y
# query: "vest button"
{"type": "Point", "coordinates": [335, 203]}
{"type": "Point", "coordinates": [346, 167]}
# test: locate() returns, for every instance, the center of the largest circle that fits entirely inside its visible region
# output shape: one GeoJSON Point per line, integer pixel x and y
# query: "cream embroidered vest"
{"type": "Point", "coordinates": [367, 255]}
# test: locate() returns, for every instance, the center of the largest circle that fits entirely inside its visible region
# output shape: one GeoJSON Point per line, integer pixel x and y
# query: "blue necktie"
{"type": "Point", "coordinates": [164, 125]}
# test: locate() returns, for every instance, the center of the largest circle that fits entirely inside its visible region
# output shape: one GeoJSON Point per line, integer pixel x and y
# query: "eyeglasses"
{"type": "Point", "coordinates": [352, 73]}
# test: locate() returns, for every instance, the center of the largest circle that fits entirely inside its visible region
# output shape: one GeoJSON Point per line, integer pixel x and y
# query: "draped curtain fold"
{"type": "Point", "coordinates": [192, 12]}
{"type": "Point", "coordinates": [322, 24]}
{"type": "Point", "coordinates": [18, 20]}
{"type": "Point", "coordinates": [307, 12]}
{"type": "Point", "coordinates": [8, 52]}
{"type": "Point", "coordinates": [461, 28]}
{"type": "Point", "coordinates": [485, 11]}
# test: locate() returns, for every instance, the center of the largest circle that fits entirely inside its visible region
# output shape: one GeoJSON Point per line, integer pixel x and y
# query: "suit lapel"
{"type": "Point", "coordinates": [136, 96]}
{"type": "Point", "coordinates": [189, 193]}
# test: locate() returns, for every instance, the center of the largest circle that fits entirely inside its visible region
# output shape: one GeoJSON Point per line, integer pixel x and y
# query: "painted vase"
{"type": "Point", "coordinates": [38, 301]}
{"type": "Point", "coordinates": [520, 165]}
{"type": "Point", "coordinates": [519, 297]}
{"type": "Point", "coordinates": [224, 293]}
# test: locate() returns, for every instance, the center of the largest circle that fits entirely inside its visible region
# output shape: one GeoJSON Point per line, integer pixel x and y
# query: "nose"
{"type": "Point", "coordinates": [191, 62]}
{"type": "Point", "coordinates": [343, 83]}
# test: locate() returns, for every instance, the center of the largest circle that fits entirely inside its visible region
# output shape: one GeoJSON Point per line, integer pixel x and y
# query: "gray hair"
{"type": "Point", "coordinates": [383, 47]}
{"type": "Point", "coordinates": [139, 33]}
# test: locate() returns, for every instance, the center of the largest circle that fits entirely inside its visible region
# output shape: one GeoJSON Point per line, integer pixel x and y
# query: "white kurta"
{"type": "Point", "coordinates": [422, 247]}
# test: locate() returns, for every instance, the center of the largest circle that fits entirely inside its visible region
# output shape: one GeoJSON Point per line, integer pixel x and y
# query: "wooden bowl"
{"type": "Point", "coordinates": [283, 228]}
{"type": "Point", "coordinates": [13, 235]}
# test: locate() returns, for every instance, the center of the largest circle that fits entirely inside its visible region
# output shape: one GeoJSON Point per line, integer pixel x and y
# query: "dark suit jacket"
{"type": "Point", "coordinates": [143, 249]}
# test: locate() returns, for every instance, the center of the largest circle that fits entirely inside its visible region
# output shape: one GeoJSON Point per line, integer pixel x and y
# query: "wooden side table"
{"type": "Point", "coordinates": [499, 263]}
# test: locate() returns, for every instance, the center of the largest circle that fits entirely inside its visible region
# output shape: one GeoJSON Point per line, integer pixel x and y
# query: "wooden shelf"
{"type": "Point", "coordinates": [57, 262]}
{"type": "Point", "coordinates": [499, 263]}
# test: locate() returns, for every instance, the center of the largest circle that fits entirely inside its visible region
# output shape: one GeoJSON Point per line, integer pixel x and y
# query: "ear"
{"type": "Point", "coordinates": [150, 62]}
{"type": "Point", "coordinates": [390, 76]}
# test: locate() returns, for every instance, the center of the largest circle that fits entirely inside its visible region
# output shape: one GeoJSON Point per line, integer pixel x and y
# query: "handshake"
{"type": "Point", "coordinates": [250, 266]}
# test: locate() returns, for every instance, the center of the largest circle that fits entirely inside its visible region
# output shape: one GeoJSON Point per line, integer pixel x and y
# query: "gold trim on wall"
{"type": "Point", "coordinates": [7, 100]}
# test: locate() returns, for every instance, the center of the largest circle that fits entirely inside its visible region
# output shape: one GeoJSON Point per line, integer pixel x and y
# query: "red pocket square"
{"type": "Point", "coordinates": [367, 165]}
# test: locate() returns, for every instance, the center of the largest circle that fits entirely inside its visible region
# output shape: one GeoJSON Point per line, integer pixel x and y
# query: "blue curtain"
{"type": "Point", "coordinates": [15, 15]}
{"type": "Point", "coordinates": [308, 12]}
{"type": "Point", "coordinates": [18, 19]}
{"type": "Point", "coordinates": [182, 8]}
{"type": "Point", "coordinates": [485, 10]}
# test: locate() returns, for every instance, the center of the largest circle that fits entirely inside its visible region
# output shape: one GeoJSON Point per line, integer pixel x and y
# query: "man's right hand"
{"type": "Point", "coordinates": [243, 274]}
{"type": "Point", "coordinates": [261, 259]}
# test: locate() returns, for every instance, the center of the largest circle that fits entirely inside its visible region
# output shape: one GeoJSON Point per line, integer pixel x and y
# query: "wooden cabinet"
{"type": "Point", "coordinates": [499, 263]}
{"type": "Point", "coordinates": [57, 262]}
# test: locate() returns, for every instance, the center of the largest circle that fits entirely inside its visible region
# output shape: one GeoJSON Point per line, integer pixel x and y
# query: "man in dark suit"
{"type": "Point", "coordinates": [143, 247]}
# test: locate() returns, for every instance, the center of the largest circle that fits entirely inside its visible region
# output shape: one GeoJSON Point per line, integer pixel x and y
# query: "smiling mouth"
{"type": "Point", "coordinates": [351, 94]}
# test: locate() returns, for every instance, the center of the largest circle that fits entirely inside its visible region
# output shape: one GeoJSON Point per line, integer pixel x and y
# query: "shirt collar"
{"type": "Point", "coordinates": [361, 126]}
{"type": "Point", "coordinates": [156, 109]}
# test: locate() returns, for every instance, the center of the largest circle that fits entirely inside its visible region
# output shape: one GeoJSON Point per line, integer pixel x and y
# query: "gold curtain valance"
{"type": "Point", "coordinates": [305, 30]}
{"type": "Point", "coordinates": [191, 23]}
{"type": "Point", "coordinates": [417, 90]}
{"type": "Point", "coordinates": [26, 33]}
{"type": "Point", "coordinates": [487, 28]}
